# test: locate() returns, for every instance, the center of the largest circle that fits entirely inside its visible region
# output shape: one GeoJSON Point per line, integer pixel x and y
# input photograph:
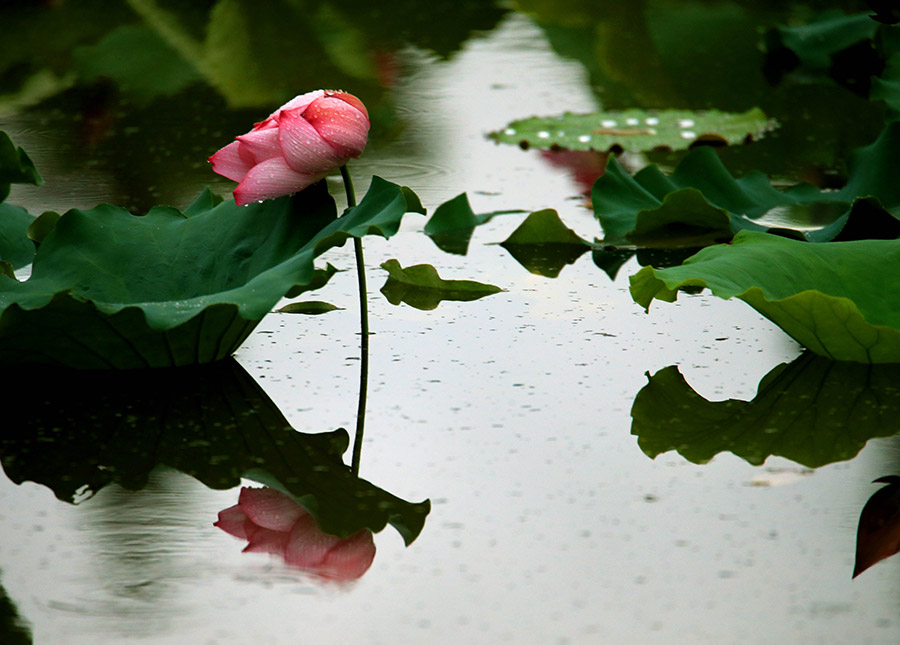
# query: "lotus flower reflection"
{"type": "Point", "coordinates": [272, 522]}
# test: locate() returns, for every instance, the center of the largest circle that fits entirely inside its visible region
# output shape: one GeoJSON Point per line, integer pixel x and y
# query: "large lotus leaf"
{"type": "Point", "coordinates": [839, 299]}
{"type": "Point", "coordinates": [641, 207]}
{"type": "Point", "coordinates": [88, 429]}
{"type": "Point", "coordinates": [634, 130]}
{"type": "Point", "coordinates": [15, 247]}
{"type": "Point", "coordinates": [814, 411]}
{"type": "Point", "coordinates": [111, 290]}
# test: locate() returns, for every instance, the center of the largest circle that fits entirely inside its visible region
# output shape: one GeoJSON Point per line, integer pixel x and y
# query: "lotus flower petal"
{"type": "Point", "coordinates": [307, 545]}
{"type": "Point", "coordinates": [349, 559]}
{"type": "Point", "coordinates": [229, 163]}
{"type": "Point", "coordinates": [339, 123]}
{"type": "Point", "coordinates": [233, 521]}
{"type": "Point", "coordinates": [270, 179]}
{"type": "Point", "coordinates": [303, 147]}
{"type": "Point", "coordinates": [270, 508]}
{"type": "Point", "coordinates": [259, 145]}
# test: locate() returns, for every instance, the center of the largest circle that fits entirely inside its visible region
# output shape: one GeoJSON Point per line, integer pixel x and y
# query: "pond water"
{"type": "Point", "coordinates": [512, 414]}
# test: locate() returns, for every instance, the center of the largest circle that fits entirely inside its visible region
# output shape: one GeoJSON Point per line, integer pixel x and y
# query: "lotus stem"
{"type": "Point", "coordinates": [363, 331]}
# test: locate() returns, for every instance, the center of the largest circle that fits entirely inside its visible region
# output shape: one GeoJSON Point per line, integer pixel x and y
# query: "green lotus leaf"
{"type": "Point", "coordinates": [308, 307]}
{"type": "Point", "coordinates": [86, 430]}
{"type": "Point", "coordinates": [15, 166]}
{"type": "Point", "coordinates": [112, 290]}
{"type": "Point", "coordinates": [16, 250]}
{"type": "Point", "coordinates": [421, 287]}
{"type": "Point", "coordinates": [634, 130]}
{"type": "Point", "coordinates": [139, 60]}
{"type": "Point", "coordinates": [15, 247]}
{"type": "Point", "coordinates": [452, 224]}
{"type": "Point", "coordinates": [836, 298]}
{"type": "Point", "coordinates": [816, 43]}
{"type": "Point", "coordinates": [887, 86]}
{"type": "Point", "coordinates": [813, 411]}
{"type": "Point", "coordinates": [544, 245]}
{"type": "Point", "coordinates": [651, 207]}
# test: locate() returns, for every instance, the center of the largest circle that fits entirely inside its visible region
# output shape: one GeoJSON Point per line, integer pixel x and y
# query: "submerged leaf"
{"type": "Point", "coordinates": [421, 287]}
{"type": "Point", "coordinates": [635, 130]}
{"type": "Point", "coordinates": [813, 411]}
{"type": "Point", "coordinates": [839, 299]}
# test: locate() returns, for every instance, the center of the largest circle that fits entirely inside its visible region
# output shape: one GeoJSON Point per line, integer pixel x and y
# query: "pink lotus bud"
{"type": "Point", "coordinates": [272, 522]}
{"type": "Point", "coordinates": [299, 144]}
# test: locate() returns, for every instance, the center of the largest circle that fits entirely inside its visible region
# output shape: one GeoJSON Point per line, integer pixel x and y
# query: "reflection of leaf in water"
{"type": "Point", "coordinates": [86, 430]}
{"type": "Point", "coordinates": [421, 287]}
{"type": "Point", "coordinates": [544, 245]}
{"type": "Point", "coordinates": [813, 411]}
{"type": "Point", "coordinates": [13, 629]}
{"type": "Point", "coordinates": [878, 534]}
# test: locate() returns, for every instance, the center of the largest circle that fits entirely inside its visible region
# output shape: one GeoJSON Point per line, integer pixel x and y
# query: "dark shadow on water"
{"type": "Point", "coordinates": [85, 430]}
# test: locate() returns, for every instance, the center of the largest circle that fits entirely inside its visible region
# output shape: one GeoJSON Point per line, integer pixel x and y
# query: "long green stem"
{"type": "Point", "coordinates": [363, 329]}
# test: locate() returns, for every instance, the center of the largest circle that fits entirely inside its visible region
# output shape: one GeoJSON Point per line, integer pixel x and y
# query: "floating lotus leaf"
{"type": "Point", "coordinates": [634, 130]}
{"type": "Point", "coordinates": [813, 411]}
{"type": "Point", "coordinates": [112, 290]}
{"type": "Point", "coordinates": [452, 224]}
{"type": "Point", "coordinates": [421, 287]}
{"type": "Point", "coordinates": [839, 299]}
{"type": "Point", "coordinates": [309, 308]}
{"type": "Point", "coordinates": [544, 245]}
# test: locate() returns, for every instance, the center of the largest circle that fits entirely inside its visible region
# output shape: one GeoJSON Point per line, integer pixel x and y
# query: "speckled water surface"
{"type": "Point", "coordinates": [511, 414]}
